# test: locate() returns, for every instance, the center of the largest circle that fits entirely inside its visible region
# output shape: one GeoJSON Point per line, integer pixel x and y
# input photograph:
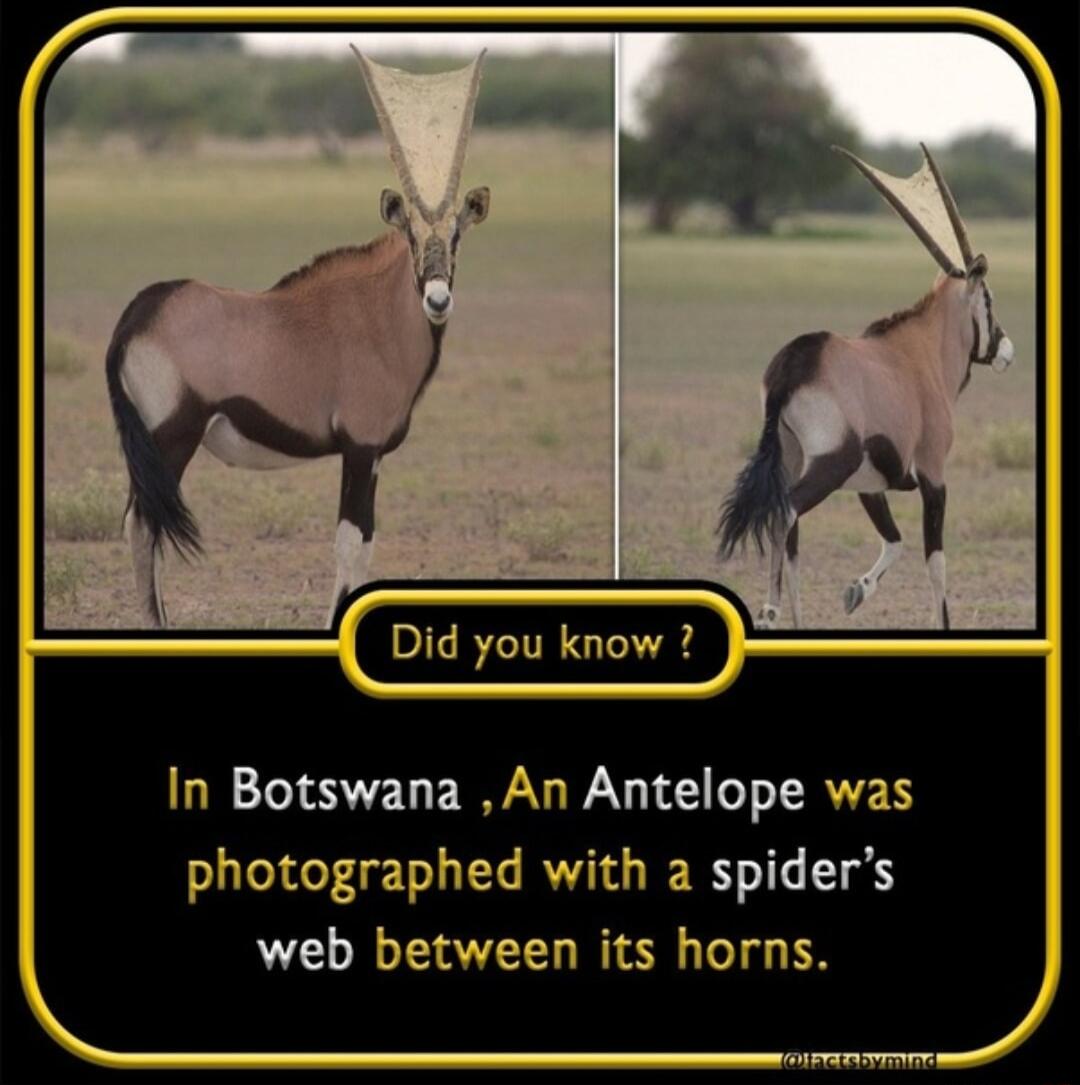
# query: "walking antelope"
{"type": "Point", "coordinates": [871, 413]}
{"type": "Point", "coordinates": [330, 360]}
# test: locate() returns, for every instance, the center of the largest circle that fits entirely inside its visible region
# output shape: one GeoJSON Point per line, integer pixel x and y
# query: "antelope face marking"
{"type": "Point", "coordinates": [434, 240]}
{"type": "Point", "coordinates": [991, 346]}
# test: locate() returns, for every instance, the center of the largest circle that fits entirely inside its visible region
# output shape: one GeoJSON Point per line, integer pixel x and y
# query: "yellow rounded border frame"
{"type": "Point", "coordinates": [600, 597]}
{"type": "Point", "coordinates": [30, 647]}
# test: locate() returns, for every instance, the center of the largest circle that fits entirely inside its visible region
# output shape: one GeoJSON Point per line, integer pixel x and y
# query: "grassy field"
{"type": "Point", "coordinates": [507, 471]}
{"type": "Point", "coordinates": [701, 317]}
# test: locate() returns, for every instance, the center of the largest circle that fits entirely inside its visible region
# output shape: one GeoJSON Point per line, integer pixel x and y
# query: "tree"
{"type": "Point", "coordinates": [741, 119]}
{"type": "Point", "coordinates": [171, 41]}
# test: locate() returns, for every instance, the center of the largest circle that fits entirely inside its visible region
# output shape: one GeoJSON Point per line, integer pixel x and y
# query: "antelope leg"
{"type": "Point", "coordinates": [791, 571]}
{"type": "Point", "coordinates": [933, 497]}
{"type": "Point", "coordinates": [147, 561]}
{"type": "Point", "coordinates": [355, 538]}
{"type": "Point", "coordinates": [770, 609]}
{"type": "Point", "coordinates": [877, 508]}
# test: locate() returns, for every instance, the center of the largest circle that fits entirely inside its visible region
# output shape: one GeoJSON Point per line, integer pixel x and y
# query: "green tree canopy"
{"type": "Point", "coordinates": [741, 119]}
{"type": "Point", "coordinates": [171, 41]}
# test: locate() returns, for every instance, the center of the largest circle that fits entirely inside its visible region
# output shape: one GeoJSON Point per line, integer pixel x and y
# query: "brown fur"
{"type": "Point", "coordinates": [884, 325]}
{"type": "Point", "coordinates": [344, 252]}
{"type": "Point", "coordinates": [903, 380]}
{"type": "Point", "coordinates": [339, 348]}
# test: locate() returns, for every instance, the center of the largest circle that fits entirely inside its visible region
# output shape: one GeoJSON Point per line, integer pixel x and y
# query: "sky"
{"type": "Point", "coordinates": [910, 87]}
{"type": "Point", "coordinates": [112, 45]}
{"type": "Point", "coordinates": [914, 86]}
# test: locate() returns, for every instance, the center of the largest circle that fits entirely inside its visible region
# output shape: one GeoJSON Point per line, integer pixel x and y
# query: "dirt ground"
{"type": "Point", "coordinates": [507, 471]}
{"type": "Point", "coordinates": [701, 317]}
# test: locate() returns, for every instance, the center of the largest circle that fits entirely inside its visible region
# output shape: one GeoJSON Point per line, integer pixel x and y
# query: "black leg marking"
{"type": "Point", "coordinates": [885, 459]}
{"type": "Point", "coordinates": [825, 474]}
{"type": "Point", "coordinates": [877, 508]}
{"type": "Point", "coordinates": [793, 542]}
{"type": "Point", "coordinates": [359, 465]}
{"type": "Point", "coordinates": [933, 515]}
{"type": "Point", "coordinates": [358, 481]}
{"type": "Point", "coordinates": [180, 434]}
{"type": "Point", "coordinates": [934, 545]}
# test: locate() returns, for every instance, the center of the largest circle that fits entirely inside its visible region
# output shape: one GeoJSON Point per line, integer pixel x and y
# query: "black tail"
{"type": "Point", "coordinates": [155, 491]}
{"type": "Point", "coordinates": [758, 504]}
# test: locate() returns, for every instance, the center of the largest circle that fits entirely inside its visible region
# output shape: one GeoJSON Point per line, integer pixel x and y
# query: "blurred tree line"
{"type": "Point", "coordinates": [176, 87]}
{"type": "Point", "coordinates": [744, 121]}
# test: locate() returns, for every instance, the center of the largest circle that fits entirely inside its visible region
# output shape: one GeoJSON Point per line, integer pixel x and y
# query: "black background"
{"type": "Point", "coordinates": [964, 730]}
{"type": "Point", "coordinates": [950, 959]}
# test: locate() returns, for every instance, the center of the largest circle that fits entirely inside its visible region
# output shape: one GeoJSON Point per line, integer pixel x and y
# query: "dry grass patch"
{"type": "Point", "coordinates": [63, 577]}
{"type": "Point", "coordinates": [1012, 445]}
{"type": "Point", "coordinates": [65, 356]}
{"type": "Point", "coordinates": [91, 510]}
{"type": "Point", "coordinates": [545, 536]}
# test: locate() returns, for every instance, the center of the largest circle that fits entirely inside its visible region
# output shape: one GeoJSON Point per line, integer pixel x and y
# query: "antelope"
{"type": "Point", "coordinates": [871, 413]}
{"type": "Point", "coordinates": [331, 360]}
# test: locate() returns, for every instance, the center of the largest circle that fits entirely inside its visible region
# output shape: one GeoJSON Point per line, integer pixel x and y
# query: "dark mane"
{"type": "Point", "coordinates": [886, 323]}
{"type": "Point", "coordinates": [332, 256]}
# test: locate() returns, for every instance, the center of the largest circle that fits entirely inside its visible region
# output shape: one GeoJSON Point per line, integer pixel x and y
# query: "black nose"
{"type": "Point", "coordinates": [437, 305]}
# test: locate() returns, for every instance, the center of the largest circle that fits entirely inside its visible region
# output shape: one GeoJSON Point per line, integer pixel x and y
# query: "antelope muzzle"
{"type": "Point", "coordinates": [438, 301]}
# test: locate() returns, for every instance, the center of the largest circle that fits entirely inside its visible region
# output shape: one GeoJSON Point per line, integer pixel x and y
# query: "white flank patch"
{"type": "Point", "coordinates": [817, 421]}
{"type": "Point", "coordinates": [230, 446]}
{"type": "Point", "coordinates": [151, 381]}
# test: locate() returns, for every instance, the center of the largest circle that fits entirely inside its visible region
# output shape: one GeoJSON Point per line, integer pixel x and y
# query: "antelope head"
{"type": "Point", "coordinates": [426, 120]}
{"type": "Point", "coordinates": [990, 345]}
{"type": "Point", "coordinates": [925, 202]}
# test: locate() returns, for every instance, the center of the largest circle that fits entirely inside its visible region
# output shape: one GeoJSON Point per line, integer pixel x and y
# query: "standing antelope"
{"type": "Point", "coordinates": [330, 360]}
{"type": "Point", "coordinates": [871, 413]}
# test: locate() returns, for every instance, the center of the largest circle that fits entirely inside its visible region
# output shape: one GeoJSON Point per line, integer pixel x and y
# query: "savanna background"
{"type": "Point", "coordinates": [740, 230]}
{"type": "Point", "coordinates": [198, 155]}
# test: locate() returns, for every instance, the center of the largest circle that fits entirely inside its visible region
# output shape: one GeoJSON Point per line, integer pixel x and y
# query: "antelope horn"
{"type": "Point", "coordinates": [950, 206]}
{"type": "Point", "coordinates": [397, 155]}
{"type": "Point", "coordinates": [917, 228]}
{"type": "Point", "coordinates": [426, 121]}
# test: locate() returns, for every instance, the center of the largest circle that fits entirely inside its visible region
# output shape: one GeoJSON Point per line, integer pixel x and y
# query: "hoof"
{"type": "Point", "coordinates": [767, 618]}
{"type": "Point", "coordinates": [853, 596]}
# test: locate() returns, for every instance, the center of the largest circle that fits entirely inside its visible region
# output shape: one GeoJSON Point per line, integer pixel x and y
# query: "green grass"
{"type": "Point", "coordinates": [1008, 515]}
{"type": "Point", "coordinates": [243, 219]}
{"type": "Point", "coordinates": [89, 510]}
{"type": "Point", "coordinates": [652, 457]}
{"type": "Point", "coordinates": [63, 577]}
{"type": "Point", "coordinates": [65, 356]}
{"type": "Point", "coordinates": [546, 435]}
{"type": "Point", "coordinates": [545, 536]}
{"type": "Point", "coordinates": [277, 514]}
{"type": "Point", "coordinates": [1012, 445]}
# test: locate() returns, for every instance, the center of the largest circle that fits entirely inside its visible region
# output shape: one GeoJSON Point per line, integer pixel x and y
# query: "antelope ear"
{"type": "Point", "coordinates": [392, 208]}
{"type": "Point", "coordinates": [475, 208]}
{"type": "Point", "coordinates": [977, 269]}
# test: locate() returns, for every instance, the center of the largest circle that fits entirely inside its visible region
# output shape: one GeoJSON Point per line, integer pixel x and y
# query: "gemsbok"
{"type": "Point", "coordinates": [329, 361]}
{"type": "Point", "coordinates": [874, 412]}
